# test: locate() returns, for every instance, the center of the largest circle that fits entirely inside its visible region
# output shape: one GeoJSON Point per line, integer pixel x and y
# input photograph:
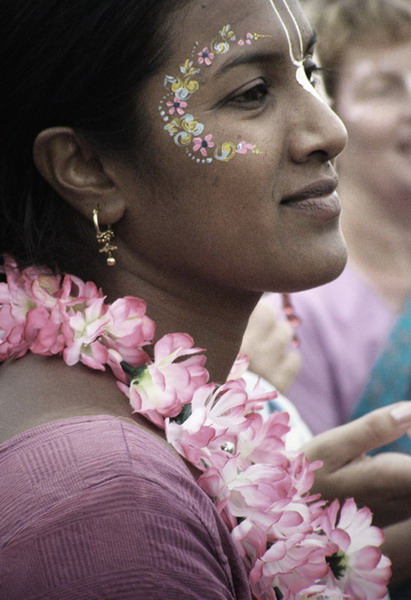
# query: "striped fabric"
{"type": "Point", "coordinates": [96, 508]}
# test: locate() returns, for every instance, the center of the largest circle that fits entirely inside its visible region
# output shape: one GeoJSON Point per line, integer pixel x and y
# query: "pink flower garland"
{"type": "Point", "coordinates": [294, 546]}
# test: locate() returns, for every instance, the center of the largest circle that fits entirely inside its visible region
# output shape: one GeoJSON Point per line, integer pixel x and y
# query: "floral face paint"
{"type": "Point", "coordinates": [186, 131]}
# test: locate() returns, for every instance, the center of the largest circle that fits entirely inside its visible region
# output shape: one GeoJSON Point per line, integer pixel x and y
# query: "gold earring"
{"type": "Point", "coordinates": [104, 238]}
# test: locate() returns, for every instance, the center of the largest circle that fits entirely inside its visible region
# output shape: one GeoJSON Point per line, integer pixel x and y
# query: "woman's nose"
{"type": "Point", "coordinates": [315, 128]}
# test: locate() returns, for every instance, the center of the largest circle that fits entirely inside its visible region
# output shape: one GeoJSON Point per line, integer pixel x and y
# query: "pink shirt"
{"type": "Point", "coordinates": [344, 326]}
{"type": "Point", "coordinates": [95, 508]}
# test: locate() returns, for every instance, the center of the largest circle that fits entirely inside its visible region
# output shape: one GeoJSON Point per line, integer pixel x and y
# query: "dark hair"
{"type": "Point", "coordinates": [76, 63]}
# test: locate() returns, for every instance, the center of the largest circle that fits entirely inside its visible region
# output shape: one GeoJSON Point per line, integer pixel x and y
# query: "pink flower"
{"type": "Point", "coordinates": [226, 407]}
{"type": "Point", "coordinates": [262, 438]}
{"type": "Point", "coordinates": [205, 56]}
{"type": "Point", "coordinates": [12, 339]}
{"type": "Point", "coordinates": [247, 40]}
{"type": "Point", "coordinates": [44, 327]}
{"type": "Point", "coordinates": [129, 329]}
{"type": "Point", "coordinates": [320, 592]}
{"type": "Point", "coordinates": [203, 144]}
{"type": "Point", "coordinates": [21, 320]}
{"type": "Point", "coordinates": [217, 410]}
{"type": "Point", "coordinates": [192, 437]}
{"type": "Point", "coordinates": [176, 105]}
{"type": "Point", "coordinates": [69, 292]}
{"type": "Point", "coordinates": [358, 567]}
{"type": "Point", "coordinates": [245, 492]}
{"type": "Point", "coordinates": [34, 308]}
{"type": "Point", "coordinates": [290, 565]}
{"type": "Point", "coordinates": [302, 473]}
{"type": "Point", "coordinates": [165, 386]}
{"type": "Point", "coordinates": [82, 332]}
{"type": "Point", "coordinates": [251, 541]}
{"type": "Point", "coordinates": [240, 366]}
{"type": "Point", "coordinates": [243, 147]}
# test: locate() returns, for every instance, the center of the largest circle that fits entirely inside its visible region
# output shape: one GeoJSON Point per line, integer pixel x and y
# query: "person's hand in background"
{"type": "Point", "coordinates": [381, 482]}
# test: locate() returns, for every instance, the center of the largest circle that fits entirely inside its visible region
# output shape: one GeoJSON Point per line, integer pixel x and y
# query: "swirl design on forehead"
{"type": "Point", "coordinates": [186, 131]}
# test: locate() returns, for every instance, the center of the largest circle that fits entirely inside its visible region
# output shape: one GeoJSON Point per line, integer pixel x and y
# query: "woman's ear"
{"type": "Point", "coordinates": [76, 171]}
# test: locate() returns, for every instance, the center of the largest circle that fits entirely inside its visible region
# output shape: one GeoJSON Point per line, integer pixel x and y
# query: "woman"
{"type": "Point", "coordinates": [193, 134]}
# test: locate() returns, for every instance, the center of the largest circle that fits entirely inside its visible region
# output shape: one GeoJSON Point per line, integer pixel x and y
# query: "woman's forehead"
{"type": "Point", "coordinates": [282, 19]}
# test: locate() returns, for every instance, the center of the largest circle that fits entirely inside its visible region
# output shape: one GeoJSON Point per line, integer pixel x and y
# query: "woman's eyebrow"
{"type": "Point", "coordinates": [257, 56]}
{"type": "Point", "coordinates": [251, 57]}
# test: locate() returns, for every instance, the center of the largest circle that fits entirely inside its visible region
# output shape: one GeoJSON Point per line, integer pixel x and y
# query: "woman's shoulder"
{"type": "Point", "coordinates": [35, 390]}
{"type": "Point", "coordinates": [108, 497]}
{"type": "Point", "coordinates": [65, 458]}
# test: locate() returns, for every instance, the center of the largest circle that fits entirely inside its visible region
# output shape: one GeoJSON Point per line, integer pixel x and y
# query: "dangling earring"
{"type": "Point", "coordinates": [104, 238]}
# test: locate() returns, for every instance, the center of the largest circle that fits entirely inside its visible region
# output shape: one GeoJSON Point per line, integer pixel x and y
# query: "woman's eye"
{"type": "Point", "coordinates": [252, 98]}
{"type": "Point", "coordinates": [312, 71]}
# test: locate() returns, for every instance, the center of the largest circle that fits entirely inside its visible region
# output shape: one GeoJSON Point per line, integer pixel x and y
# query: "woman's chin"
{"type": "Point", "coordinates": [324, 270]}
{"type": "Point", "coordinates": [309, 271]}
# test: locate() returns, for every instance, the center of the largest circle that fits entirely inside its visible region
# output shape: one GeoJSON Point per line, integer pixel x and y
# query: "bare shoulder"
{"type": "Point", "coordinates": [35, 390]}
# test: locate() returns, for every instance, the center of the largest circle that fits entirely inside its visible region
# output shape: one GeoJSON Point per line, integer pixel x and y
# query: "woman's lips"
{"type": "Point", "coordinates": [320, 199]}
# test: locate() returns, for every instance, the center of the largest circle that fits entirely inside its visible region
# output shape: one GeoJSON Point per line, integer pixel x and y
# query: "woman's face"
{"type": "Point", "coordinates": [237, 185]}
{"type": "Point", "coordinates": [374, 100]}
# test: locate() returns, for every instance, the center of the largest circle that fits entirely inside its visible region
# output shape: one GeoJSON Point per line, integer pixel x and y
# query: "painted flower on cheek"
{"type": "Point", "coordinates": [243, 147]}
{"type": "Point", "coordinates": [205, 56]}
{"type": "Point", "coordinates": [203, 144]}
{"type": "Point", "coordinates": [182, 86]}
{"type": "Point", "coordinates": [191, 126]}
{"type": "Point", "coordinates": [177, 106]}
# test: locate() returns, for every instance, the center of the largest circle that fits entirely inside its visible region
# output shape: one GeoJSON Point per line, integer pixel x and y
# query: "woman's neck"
{"type": "Point", "coordinates": [378, 236]}
{"type": "Point", "coordinates": [216, 318]}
